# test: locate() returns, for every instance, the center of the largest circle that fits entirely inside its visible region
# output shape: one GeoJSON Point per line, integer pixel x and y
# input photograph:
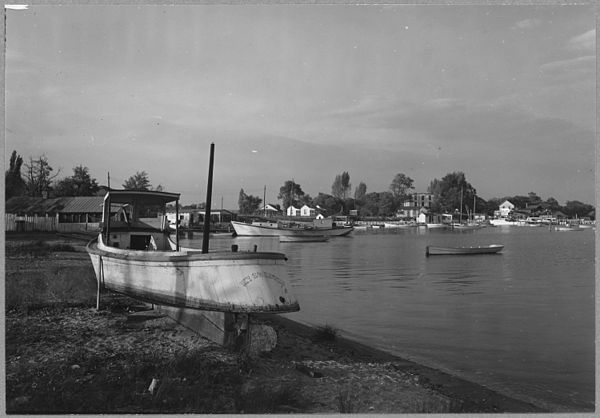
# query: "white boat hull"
{"type": "Point", "coordinates": [243, 229]}
{"type": "Point", "coordinates": [217, 281]}
{"type": "Point", "coordinates": [485, 249]}
{"type": "Point", "coordinates": [568, 228]}
{"type": "Point", "coordinates": [503, 222]}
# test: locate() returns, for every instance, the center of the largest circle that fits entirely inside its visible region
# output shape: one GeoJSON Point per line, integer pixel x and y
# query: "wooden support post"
{"type": "Point", "coordinates": [100, 278]}
{"type": "Point", "coordinates": [206, 232]}
{"type": "Point", "coordinates": [177, 224]}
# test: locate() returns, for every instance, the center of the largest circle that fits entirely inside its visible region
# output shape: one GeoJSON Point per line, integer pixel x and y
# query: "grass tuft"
{"type": "Point", "coordinates": [325, 333]}
{"type": "Point", "coordinates": [283, 398]}
{"type": "Point", "coordinates": [37, 248]}
{"type": "Point", "coordinates": [347, 402]}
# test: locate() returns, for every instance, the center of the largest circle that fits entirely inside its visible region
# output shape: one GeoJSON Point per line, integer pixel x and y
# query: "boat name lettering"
{"type": "Point", "coordinates": [253, 276]}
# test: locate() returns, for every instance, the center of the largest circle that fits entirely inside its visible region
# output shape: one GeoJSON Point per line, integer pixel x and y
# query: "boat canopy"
{"type": "Point", "coordinates": [149, 196]}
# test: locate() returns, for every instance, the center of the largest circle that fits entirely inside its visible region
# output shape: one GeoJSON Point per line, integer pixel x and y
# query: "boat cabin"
{"type": "Point", "coordinates": [137, 220]}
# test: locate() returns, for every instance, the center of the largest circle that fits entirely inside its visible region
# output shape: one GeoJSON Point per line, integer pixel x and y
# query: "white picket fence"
{"type": "Point", "coordinates": [13, 223]}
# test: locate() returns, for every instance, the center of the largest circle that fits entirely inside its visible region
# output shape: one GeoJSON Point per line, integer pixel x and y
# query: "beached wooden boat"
{"type": "Point", "coordinates": [299, 238]}
{"type": "Point", "coordinates": [135, 255]}
{"type": "Point", "coordinates": [484, 249]}
{"type": "Point", "coordinates": [268, 229]}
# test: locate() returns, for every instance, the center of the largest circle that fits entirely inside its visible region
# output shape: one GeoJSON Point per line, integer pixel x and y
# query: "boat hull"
{"type": "Point", "coordinates": [220, 281]}
{"type": "Point", "coordinates": [486, 249]}
{"type": "Point", "coordinates": [243, 229]}
{"type": "Point", "coordinates": [568, 228]}
{"type": "Point", "coordinates": [291, 238]}
{"type": "Point", "coordinates": [437, 226]}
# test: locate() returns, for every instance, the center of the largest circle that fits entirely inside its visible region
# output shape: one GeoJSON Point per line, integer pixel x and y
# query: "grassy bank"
{"type": "Point", "coordinates": [63, 356]}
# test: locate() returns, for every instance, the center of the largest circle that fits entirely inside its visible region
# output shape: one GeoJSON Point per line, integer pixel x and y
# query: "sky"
{"type": "Point", "coordinates": [505, 94]}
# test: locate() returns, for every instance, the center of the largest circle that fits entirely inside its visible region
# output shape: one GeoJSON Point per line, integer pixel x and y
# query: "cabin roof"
{"type": "Point", "coordinates": [72, 204]}
{"type": "Point", "coordinates": [153, 197]}
{"type": "Point", "coordinates": [26, 204]}
{"type": "Point", "coordinates": [83, 204]}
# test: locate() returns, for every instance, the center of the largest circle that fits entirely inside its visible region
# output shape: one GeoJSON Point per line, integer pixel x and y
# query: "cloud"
{"type": "Point", "coordinates": [584, 42]}
{"type": "Point", "coordinates": [528, 24]}
{"type": "Point", "coordinates": [575, 68]}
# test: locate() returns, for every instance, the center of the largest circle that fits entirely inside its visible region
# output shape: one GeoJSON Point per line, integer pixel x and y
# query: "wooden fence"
{"type": "Point", "coordinates": [45, 224]}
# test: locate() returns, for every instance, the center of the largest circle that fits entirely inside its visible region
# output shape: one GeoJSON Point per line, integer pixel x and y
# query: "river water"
{"type": "Point", "coordinates": [521, 322]}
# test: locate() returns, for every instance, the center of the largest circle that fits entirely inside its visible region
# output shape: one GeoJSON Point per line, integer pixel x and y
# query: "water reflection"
{"type": "Point", "coordinates": [521, 321]}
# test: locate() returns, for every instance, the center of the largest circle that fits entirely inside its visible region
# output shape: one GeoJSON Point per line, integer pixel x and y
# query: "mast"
{"type": "Point", "coordinates": [265, 200]}
{"type": "Point", "coordinates": [460, 214]}
{"type": "Point", "coordinates": [177, 224]}
{"type": "Point", "coordinates": [206, 232]}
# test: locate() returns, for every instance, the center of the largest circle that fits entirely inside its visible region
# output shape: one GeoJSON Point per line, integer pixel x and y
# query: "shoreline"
{"type": "Point", "coordinates": [310, 374]}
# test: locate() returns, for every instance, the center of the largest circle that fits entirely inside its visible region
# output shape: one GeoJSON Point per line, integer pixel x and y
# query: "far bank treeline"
{"type": "Point", "coordinates": [36, 178]}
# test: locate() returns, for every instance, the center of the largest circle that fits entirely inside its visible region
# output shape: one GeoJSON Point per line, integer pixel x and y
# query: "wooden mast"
{"type": "Point", "coordinates": [206, 232]}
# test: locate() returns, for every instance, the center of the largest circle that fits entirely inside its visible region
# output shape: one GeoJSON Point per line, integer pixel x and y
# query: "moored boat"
{"type": "Point", "coordinates": [135, 255]}
{"type": "Point", "coordinates": [484, 249]}
{"type": "Point", "coordinates": [568, 228]}
{"type": "Point", "coordinates": [300, 238]}
{"type": "Point", "coordinates": [288, 229]}
{"type": "Point", "coordinates": [437, 226]}
{"type": "Point", "coordinates": [465, 226]}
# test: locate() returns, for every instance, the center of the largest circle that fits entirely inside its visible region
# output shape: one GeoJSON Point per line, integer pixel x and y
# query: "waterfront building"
{"type": "Point", "coordinates": [504, 209]}
{"type": "Point", "coordinates": [412, 207]}
{"type": "Point", "coordinates": [292, 211]}
{"type": "Point", "coordinates": [307, 211]}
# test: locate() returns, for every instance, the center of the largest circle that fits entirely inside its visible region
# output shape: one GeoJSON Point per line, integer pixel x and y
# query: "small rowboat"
{"type": "Point", "coordinates": [300, 238]}
{"type": "Point", "coordinates": [484, 249]}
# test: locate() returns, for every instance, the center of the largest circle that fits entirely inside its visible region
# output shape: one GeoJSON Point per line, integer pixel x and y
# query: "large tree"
{"type": "Point", "coordinates": [341, 185]}
{"type": "Point", "coordinates": [577, 209]}
{"type": "Point", "coordinates": [450, 191]}
{"type": "Point", "coordinates": [248, 204]}
{"type": "Point", "coordinates": [13, 181]}
{"type": "Point", "coordinates": [139, 181]}
{"type": "Point", "coordinates": [39, 177]}
{"type": "Point", "coordinates": [290, 193]}
{"type": "Point", "coordinates": [378, 204]}
{"type": "Point", "coordinates": [401, 186]}
{"type": "Point", "coordinates": [79, 184]}
{"type": "Point", "coordinates": [330, 203]}
{"type": "Point", "coordinates": [360, 191]}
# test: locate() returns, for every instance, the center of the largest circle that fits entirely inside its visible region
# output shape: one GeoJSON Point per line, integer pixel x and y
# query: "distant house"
{"type": "Point", "coordinates": [505, 208]}
{"type": "Point", "coordinates": [270, 210]}
{"type": "Point", "coordinates": [192, 217]}
{"type": "Point", "coordinates": [292, 211]}
{"type": "Point", "coordinates": [412, 206]}
{"type": "Point", "coordinates": [307, 211]}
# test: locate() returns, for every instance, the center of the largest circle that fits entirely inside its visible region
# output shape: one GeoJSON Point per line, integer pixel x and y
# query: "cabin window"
{"type": "Point", "coordinates": [140, 242]}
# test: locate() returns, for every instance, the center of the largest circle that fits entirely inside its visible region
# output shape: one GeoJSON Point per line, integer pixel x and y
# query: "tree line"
{"type": "Point", "coordinates": [450, 194]}
{"type": "Point", "coordinates": [37, 178]}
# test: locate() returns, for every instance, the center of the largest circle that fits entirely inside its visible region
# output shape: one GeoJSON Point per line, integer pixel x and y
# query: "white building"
{"type": "Point", "coordinates": [292, 211]}
{"type": "Point", "coordinates": [307, 211]}
{"type": "Point", "coordinates": [505, 208]}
